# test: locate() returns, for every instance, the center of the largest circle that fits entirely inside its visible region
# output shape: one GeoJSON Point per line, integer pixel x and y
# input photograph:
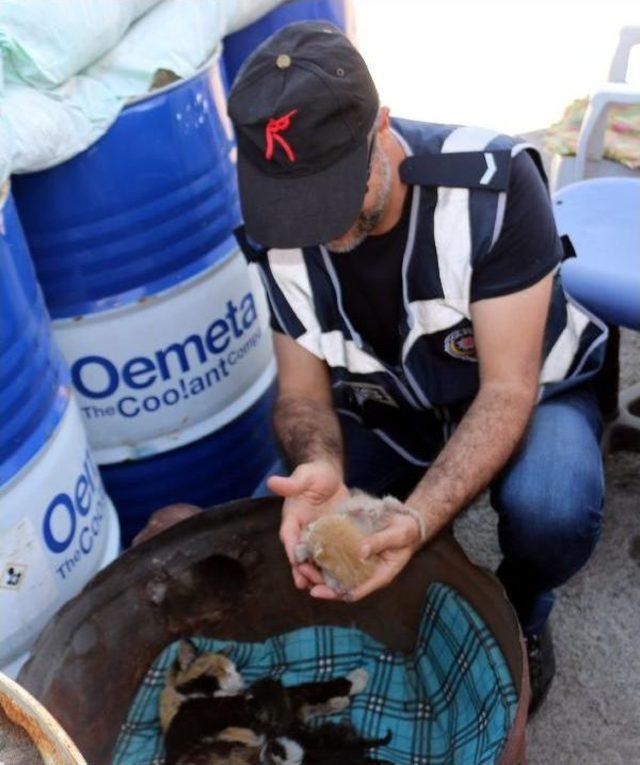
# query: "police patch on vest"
{"type": "Point", "coordinates": [461, 344]}
{"type": "Point", "coordinates": [364, 392]}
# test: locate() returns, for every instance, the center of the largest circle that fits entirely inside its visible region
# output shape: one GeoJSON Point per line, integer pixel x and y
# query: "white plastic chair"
{"type": "Point", "coordinates": [588, 162]}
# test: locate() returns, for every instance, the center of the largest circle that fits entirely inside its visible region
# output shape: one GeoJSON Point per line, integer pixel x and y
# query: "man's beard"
{"type": "Point", "coordinates": [369, 219]}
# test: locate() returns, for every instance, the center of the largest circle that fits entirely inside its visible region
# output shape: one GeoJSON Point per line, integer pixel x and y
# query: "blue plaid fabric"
{"type": "Point", "coordinates": [451, 702]}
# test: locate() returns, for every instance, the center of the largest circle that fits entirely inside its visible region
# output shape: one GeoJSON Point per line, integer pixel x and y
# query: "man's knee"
{"type": "Point", "coordinates": [559, 514]}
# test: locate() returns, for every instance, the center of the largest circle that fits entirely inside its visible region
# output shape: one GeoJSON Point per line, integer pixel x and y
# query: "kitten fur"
{"type": "Point", "coordinates": [328, 744]}
{"type": "Point", "coordinates": [194, 675]}
{"type": "Point", "coordinates": [222, 752]}
{"type": "Point", "coordinates": [209, 718]}
{"type": "Point", "coordinates": [333, 542]}
{"type": "Point", "coordinates": [209, 730]}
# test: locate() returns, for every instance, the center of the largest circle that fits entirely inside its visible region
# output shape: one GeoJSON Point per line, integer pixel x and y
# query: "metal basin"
{"type": "Point", "coordinates": [223, 573]}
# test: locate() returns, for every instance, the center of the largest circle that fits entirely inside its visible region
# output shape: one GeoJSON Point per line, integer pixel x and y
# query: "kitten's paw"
{"type": "Point", "coordinates": [359, 679]}
{"type": "Point", "coordinates": [301, 552]}
{"type": "Point", "coordinates": [336, 704]}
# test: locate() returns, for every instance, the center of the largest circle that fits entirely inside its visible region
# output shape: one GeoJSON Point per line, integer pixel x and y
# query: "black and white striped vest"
{"type": "Point", "coordinates": [458, 177]}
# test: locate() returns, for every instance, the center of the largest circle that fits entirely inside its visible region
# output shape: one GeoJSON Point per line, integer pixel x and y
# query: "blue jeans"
{"type": "Point", "coordinates": [548, 497]}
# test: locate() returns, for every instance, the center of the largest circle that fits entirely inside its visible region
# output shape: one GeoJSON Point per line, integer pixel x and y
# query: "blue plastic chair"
{"type": "Point", "coordinates": [602, 219]}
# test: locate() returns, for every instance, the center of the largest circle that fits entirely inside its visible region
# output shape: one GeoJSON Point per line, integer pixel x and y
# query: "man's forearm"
{"type": "Point", "coordinates": [307, 430]}
{"type": "Point", "coordinates": [486, 437]}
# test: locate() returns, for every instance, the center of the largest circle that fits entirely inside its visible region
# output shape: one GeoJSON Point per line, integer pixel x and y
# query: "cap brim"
{"type": "Point", "coordinates": [305, 211]}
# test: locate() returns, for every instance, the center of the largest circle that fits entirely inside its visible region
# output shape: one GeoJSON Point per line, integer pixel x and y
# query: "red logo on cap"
{"type": "Point", "coordinates": [274, 127]}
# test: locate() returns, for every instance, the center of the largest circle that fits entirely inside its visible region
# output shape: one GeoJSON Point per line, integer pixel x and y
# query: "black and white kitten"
{"type": "Point", "coordinates": [209, 718]}
{"type": "Point", "coordinates": [328, 744]}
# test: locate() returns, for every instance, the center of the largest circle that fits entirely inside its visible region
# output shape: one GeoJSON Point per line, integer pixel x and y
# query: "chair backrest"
{"type": "Point", "coordinates": [619, 68]}
{"type": "Point", "coordinates": [589, 162]}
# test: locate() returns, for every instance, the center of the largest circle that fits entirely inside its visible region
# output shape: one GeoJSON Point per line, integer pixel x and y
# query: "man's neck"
{"type": "Point", "coordinates": [393, 210]}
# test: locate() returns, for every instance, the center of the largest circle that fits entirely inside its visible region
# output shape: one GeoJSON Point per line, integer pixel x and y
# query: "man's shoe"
{"type": "Point", "coordinates": [542, 667]}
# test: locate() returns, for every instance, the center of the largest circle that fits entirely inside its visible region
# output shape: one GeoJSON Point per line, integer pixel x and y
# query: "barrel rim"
{"type": "Point", "coordinates": [5, 188]}
{"type": "Point", "coordinates": [40, 723]}
{"type": "Point", "coordinates": [212, 259]}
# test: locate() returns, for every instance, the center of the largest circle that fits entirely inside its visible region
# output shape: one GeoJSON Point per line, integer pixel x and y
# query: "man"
{"type": "Point", "coordinates": [424, 344]}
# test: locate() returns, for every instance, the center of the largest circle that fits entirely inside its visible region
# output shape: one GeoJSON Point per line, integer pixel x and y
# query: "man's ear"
{"type": "Point", "coordinates": [384, 119]}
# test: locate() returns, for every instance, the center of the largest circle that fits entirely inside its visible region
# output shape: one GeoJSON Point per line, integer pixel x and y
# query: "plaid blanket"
{"type": "Point", "coordinates": [450, 702]}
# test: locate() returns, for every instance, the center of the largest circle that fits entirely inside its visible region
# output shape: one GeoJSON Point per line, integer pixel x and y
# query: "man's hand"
{"type": "Point", "coordinates": [309, 435]}
{"type": "Point", "coordinates": [395, 546]}
{"type": "Point", "coordinates": [312, 489]}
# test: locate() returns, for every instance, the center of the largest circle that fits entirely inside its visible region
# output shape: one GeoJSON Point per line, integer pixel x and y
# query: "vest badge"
{"type": "Point", "coordinates": [461, 344]}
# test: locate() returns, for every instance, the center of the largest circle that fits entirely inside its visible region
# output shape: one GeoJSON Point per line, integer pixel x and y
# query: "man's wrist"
{"type": "Point", "coordinates": [308, 432]}
{"type": "Point", "coordinates": [435, 515]}
{"type": "Point", "coordinates": [418, 517]}
{"type": "Point", "coordinates": [326, 462]}
{"type": "Point", "coordinates": [334, 461]}
{"type": "Point", "coordinates": [410, 512]}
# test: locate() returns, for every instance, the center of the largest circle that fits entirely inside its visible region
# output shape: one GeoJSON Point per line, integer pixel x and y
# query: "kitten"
{"type": "Point", "coordinates": [208, 718]}
{"type": "Point", "coordinates": [333, 542]}
{"type": "Point", "coordinates": [223, 752]}
{"type": "Point", "coordinates": [328, 744]}
{"type": "Point", "coordinates": [195, 675]}
{"type": "Point", "coordinates": [278, 708]}
{"type": "Point", "coordinates": [214, 728]}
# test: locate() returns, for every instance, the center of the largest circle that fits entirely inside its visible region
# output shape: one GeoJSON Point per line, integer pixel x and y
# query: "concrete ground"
{"type": "Point", "coordinates": [592, 713]}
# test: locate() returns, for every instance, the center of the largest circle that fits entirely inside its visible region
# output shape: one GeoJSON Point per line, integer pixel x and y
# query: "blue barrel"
{"type": "Point", "coordinates": [151, 204]}
{"type": "Point", "coordinates": [33, 376]}
{"type": "Point", "coordinates": [238, 46]}
{"type": "Point", "coordinates": [219, 468]}
{"type": "Point", "coordinates": [163, 324]}
{"type": "Point", "coordinates": [57, 525]}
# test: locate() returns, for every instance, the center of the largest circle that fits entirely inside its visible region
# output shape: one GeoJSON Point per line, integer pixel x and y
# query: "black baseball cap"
{"type": "Point", "coordinates": [303, 105]}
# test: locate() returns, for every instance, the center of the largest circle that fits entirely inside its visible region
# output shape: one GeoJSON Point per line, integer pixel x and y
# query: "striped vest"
{"type": "Point", "coordinates": [413, 405]}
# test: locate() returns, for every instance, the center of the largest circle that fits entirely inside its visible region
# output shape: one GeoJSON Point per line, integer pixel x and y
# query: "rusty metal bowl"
{"type": "Point", "coordinates": [21, 714]}
{"type": "Point", "coordinates": [223, 573]}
